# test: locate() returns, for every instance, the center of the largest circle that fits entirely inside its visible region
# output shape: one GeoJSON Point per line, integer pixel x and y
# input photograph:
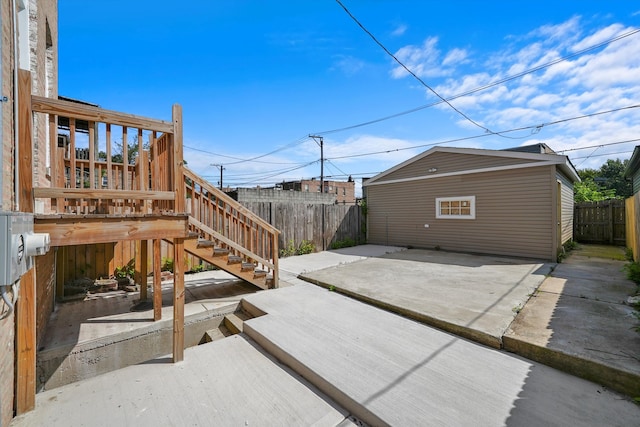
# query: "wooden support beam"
{"type": "Point", "coordinates": [178, 300]}
{"type": "Point", "coordinates": [25, 396]}
{"type": "Point", "coordinates": [96, 114]}
{"type": "Point", "coordinates": [83, 193]}
{"type": "Point", "coordinates": [60, 266]}
{"type": "Point", "coordinates": [25, 142]}
{"type": "Point", "coordinates": [178, 162]}
{"type": "Point", "coordinates": [26, 344]}
{"type": "Point", "coordinates": [141, 267]}
{"type": "Point", "coordinates": [157, 280]}
{"type": "Point", "coordinates": [87, 229]}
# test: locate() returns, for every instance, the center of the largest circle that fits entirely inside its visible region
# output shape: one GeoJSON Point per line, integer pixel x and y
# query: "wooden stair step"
{"type": "Point", "coordinates": [220, 251]}
{"type": "Point", "coordinates": [204, 243]}
{"type": "Point", "coordinates": [259, 273]}
{"type": "Point", "coordinates": [247, 266]}
{"type": "Point", "coordinates": [234, 259]}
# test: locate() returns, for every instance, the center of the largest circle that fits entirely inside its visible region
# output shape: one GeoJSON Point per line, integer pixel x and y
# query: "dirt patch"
{"type": "Point", "coordinates": [602, 251]}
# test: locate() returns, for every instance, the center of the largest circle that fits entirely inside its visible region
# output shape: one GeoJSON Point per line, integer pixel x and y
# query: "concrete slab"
{"type": "Point", "coordinates": [577, 322]}
{"type": "Point", "coordinates": [473, 296]}
{"type": "Point", "coordinates": [389, 370]}
{"type": "Point", "coordinates": [226, 383]}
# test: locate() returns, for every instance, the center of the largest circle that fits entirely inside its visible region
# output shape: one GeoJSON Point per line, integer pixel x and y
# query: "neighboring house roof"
{"type": "Point", "coordinates": [537, 159]}
{"type": "Point", "coordinates": [540, 148]}
{"type": "Point", "coordinates": [634, 163]}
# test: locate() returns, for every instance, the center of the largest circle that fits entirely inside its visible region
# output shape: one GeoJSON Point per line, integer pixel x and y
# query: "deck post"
{"type": "Point", "coordinates": [142, 267]}
{"type": "Point", "coordinates": [25, 397]}
{"type": "Point", "coordinates": [178, 244]}
{"type": "Point", "coordinates": [157, 280]}
{"type": "Point", "coordinates": [178, 300]}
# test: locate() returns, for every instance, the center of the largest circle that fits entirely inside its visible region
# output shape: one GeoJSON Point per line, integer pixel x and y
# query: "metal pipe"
{"type": "Point", "coordinates": [16, 128]}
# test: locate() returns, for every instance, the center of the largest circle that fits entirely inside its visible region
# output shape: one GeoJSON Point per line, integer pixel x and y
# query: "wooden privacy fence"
{"type": "Point", "coordinates": [600, 222]}
{"type": "Point", "coordinates": [632, 205]}
{"type": "Point", "coordinates": [296, 221]}
{"type": "Point", "coordinates": [323, 225]}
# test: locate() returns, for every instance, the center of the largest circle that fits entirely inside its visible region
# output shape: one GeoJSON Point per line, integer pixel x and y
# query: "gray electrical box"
{"type": "Point", "coordinates": [18, 245]}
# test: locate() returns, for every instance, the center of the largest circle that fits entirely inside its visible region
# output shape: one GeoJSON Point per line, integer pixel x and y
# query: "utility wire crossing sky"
{"type": "Point", "coordinates": [379, 81]}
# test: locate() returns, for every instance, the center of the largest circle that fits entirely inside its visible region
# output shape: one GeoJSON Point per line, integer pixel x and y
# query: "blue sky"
{"type": "Point", "coordinates": [257, 77]}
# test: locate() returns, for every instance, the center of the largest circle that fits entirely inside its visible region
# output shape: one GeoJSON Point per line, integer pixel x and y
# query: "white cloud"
{"type": "Point", "coordinates": [348, 65]}
{"type": "Point", "coordinates": [421, 60]}
{"type": "Point", "coordinates": [399, 30]}
{"type": "Point", "coordinates": [455, 56]}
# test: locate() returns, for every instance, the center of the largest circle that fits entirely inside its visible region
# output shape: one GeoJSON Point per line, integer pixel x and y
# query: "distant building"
{"type": "Point", "coordinates": [345, 191]}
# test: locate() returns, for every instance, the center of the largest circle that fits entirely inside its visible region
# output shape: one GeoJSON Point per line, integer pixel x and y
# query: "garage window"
{"type": "Point", "coordinates": [456, 207]}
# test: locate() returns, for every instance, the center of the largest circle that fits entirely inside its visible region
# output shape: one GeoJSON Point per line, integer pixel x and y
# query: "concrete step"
{"type": "Point", "coordinates": [69, 363]}
{"type": "Point", "coordinates": [215, 334]}
{"type": "Point", "coordinates": [234, 322]}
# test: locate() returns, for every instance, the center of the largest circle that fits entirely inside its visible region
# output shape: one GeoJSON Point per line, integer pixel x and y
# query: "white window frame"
{"type": "Point", "coordinates": [470, 199]}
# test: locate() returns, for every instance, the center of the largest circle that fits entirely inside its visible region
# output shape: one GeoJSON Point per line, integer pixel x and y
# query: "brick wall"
{"type": "Point", "coordinates": [245, 195]}
{"type": "Point", "coordinates": [43, 59]}
{"type": "Point", "coordinates": [7, 325]}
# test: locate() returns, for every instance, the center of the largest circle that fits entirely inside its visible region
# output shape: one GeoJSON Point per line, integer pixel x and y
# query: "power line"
{"type": "Point", "coordinates": [539, 126]}
{"type": "Point", "coordinates": [411, 72]}
{"type": "Point", "coordinates": [604, 154]}
{"type": "Point", "coordinates": [487, 86]}
{"type": "Point", "coordinates": [279, 173]}
{"type": "Point", "coordinates": [599, 145]}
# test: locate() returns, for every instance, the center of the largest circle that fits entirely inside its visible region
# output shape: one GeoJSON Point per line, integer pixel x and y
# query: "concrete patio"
{"type": "Point", "coordinates": [316, 357]}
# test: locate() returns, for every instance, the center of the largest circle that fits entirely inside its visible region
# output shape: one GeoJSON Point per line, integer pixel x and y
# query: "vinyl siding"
{"type": "Point", "coordinates": [567, 207]}
{"type": "Point", "coordinates": [636, 181]}
{"type": "Point", "coordinates": [513, 213]}
{"type": "Point", "coordinates": [450, 162]}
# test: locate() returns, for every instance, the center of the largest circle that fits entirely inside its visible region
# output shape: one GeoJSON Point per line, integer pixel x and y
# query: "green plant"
{"type": "Point", "coordinates": [332, 288]}
{"type": "Point", "coordinates": [127, 270]}
{"type": "Point", "coordinates": [628, 254]}
{"type": "Point", "coordinates": [345, 243]}
{"type": "Point", "coordinates": [288, 250]}
{"type": "Point", "coordinates": [197, 268]}
{"type": "Point", "coordinates": [167, 264]}
{"type": "Point", "coordinates": [306, 247]}
{"type": "Point", "coordinates": [633, 271]}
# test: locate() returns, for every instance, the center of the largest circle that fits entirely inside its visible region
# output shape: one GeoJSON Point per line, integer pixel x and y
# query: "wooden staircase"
{"type": "Point", "coordinates": [230, 236]}
{"type": "Point", "coordinates": [222, 258]}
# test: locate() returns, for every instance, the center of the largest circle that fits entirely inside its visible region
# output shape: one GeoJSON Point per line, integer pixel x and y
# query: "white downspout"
{"type": "Point", "coordinates": [16, 128]}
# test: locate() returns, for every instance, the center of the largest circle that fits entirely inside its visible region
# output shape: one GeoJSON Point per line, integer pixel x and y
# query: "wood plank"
{"type": "Point", "coordinates": [229, 201]}
{"type": "Point", "coordinates": [96, 114]}
{"type": "Point", "coordinates": [25, 142]}
{"type": "Point", "coordinates": [157, 280]}
{"type": "Point", "coordinates": [178, 162]}
{"type": "Point", "coordinates": [125, 160]}
{"type": "Point", "coordinates": [88, 230]}
{"type": "Point", "coordinates": [60, 269]}
{"type": "Point", "coordinates": [92, 156]}
{"type": "Point", "coordinates": [178, 300]}
{"type": "Point", "coordinates": [81, 193]}
{"type": "Point", "coordinates": [26, 344]}
{"type": "Point", "coordinates": [141, 267]}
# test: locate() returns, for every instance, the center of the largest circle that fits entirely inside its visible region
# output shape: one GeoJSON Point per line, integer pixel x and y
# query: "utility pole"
{"type": "Point", "coordinates": [221, 169]}
{"type": "Point", "coordinates": [321, 144]}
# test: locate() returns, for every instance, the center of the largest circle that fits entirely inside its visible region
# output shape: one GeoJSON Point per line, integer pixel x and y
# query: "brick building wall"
{"type": "Point", "coordinates": [42, 45]}
{"type": "Point", "coordinates": [344, 191]}
{"type": "Point", "coordinates": [247, 195]}
{"type": "Point", "coordinates": [7, 325]}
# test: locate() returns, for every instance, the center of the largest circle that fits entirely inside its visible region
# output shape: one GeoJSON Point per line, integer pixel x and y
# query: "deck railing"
{"type": "Point", "coordinates": [107, 162]}
{"type": "Point", "coordinates": [217, 217]}
{"type": "Point", "coordinates": [111, 163]}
